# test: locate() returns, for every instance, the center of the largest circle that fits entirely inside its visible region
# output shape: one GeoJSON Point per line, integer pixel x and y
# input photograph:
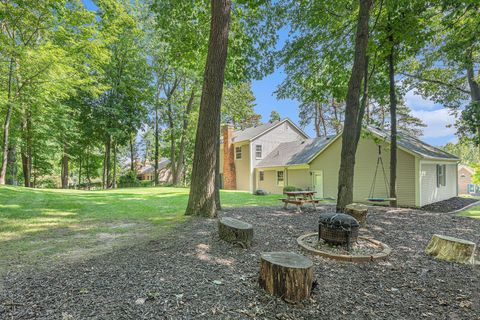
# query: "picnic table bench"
{"type": "Point", "coordinates": [298, 198]}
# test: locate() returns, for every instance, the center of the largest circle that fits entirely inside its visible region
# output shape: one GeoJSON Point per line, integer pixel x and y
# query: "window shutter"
{"type": "Point", "coordinates": [438, 175]}
{"type": "Point", "coordinates": [444, 176]}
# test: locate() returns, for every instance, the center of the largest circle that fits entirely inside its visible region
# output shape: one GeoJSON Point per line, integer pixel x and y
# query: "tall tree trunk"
{"type": "Point", "coordinates": [104, 171]}
{"type": "Point", "coordinates": [108, 162]}
{"type": "Point", "coordinates": [217, 167]}
{"type": "Point", "coordinates": [317, 121]}
{"type": "Point", "coordinates": [80, 163]}
{"type": "Point", "coordinates": [183, 141]}
{"type": "Point", "coordinates": [34, 171]}
{"type": "Point", "coordinates": [132, 154]}
{"type": "Point", "coordinates": [26, 149]}
{"type": "Point", "coordinates": [12, 165]}
{"type": "Point", "coordinates": [351, 126]}
{"type": "Point", "coordinates": [321, 119]}
{"type": "Point", "coordinates": [87, 164]}
{"type": "Point", "coordinates": [114, 179]}
{"type": "Point", "coordinates": [202, 200]}
{"type": "Point", "coordinates": [25, 167]}
{"type": "Point", "coordinates": [156, 156]}
{"type": "Point", "coordinates": [65, 168]}
{"type": "Point", "coordinates": [173, 164]}
{"type": "Point", "coordinates": [393, 124]}
{"type": "Point", "coordinates": [6, 125]}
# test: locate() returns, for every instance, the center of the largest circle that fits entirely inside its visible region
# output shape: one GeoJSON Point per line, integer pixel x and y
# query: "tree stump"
{"type": "Point", "coordinates": [235, 231]}
{"type": "Point", "coordinates": [451, 249]}
{"type": "Point", "coordinates": [358, 211]}
{"type": "Point", "coordinates": [287, 275]}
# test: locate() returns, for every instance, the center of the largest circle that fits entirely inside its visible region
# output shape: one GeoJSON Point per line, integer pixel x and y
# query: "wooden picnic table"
{"type": "Point", "coordinates": [298, 198]}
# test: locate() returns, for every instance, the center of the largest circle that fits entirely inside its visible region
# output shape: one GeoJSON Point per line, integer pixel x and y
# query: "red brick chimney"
{"type": "Point", "coordinates": [229, 177]}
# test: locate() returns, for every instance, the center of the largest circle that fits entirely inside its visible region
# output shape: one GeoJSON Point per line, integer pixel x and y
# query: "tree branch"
{"type": "Point", "coordinates": [445, 84]}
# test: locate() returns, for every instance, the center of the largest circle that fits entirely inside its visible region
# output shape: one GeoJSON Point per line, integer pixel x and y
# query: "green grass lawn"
{"type": "Point", "coordinates": [70, 224]}
{"type": "Point", "coordinates": [473, 212]}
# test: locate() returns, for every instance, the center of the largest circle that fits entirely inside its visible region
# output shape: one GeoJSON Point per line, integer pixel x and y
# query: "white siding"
{"type": "Point", "coordinates": [429, 192]}
{"type": "Point", "coordinates": [285, 132]}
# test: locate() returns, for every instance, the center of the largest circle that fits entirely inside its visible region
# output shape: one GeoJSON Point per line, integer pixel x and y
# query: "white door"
{"type": "Point", "coordinates": [318, 183]}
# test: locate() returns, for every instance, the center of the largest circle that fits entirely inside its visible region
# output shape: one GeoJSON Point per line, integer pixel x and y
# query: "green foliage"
{"type": "Point", "coordinates": [274, 116]}
{"type": "Point", "coordinates": [476, 174]}
{"type": "Point", "coordinates": [318, 58]}
{"type": "Point", "coordinates": [446, 70]}
{"type": "Point", "coordinates": [129, 179]}
{"type": "Point", "coordinates": [238, 103]}
{"type": "Point", "coordinates": [291, 188]}
{"type": "Point", "coordinates": [465, 149]}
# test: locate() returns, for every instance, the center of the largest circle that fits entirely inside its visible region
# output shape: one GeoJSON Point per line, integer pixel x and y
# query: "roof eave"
{"type": "Point", "coordinates": [306, 136]}
{"type": "Point", "coordinates": [324, 148]}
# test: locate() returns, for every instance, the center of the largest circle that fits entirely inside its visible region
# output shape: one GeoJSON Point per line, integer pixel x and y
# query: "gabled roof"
{"type": "Point", "coordinates": [414, 145]}
{"type": "Point", "coordinates": [295, 153]}
{"type": "Point", "coordinates": [469, 169]}
{"type": "Point", "coordinates": [162, 163]}
{"type": "Point", "coordinates": [304, 151]}
{"type": "Point", "coordinates": [252, 133]}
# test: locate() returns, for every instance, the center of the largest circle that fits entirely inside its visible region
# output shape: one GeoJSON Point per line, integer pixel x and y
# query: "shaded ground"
{"type": "Point", "coordinates": [191, 274]}
{"type": "Point", "coordinates": [44, 225]}
{"type": "Point", "coordinates": [452, 204]}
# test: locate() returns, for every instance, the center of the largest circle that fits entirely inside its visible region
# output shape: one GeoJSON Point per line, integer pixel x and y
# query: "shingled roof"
{"type": "Point", "coordinates": [295, 153]}
{"type": "Point", "coordinates": [304, 151]}
{"type": "Point", "coordinates": [253, 132]}
{"type": "Point", "coordinates": [422, 149]}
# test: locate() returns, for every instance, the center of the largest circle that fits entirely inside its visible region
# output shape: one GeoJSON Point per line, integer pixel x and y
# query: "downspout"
{"type": "Point", "coordinates": [286, 177]}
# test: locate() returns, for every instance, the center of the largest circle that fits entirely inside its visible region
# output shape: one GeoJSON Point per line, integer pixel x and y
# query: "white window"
{"type": "Point", "coordinates": [261, 175]}
{"type": "Point", "coordinates": [280, 180]}
{"type": "Point", "coordinates": [441, 175]}
{"type": "Point", "coordinates": [258, 151]}
{"type": "Point", "coordinates": [238, 153]}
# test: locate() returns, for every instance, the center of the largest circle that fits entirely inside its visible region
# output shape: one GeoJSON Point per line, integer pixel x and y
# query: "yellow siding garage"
{"type": "Point", "coordinates": [367, 152]}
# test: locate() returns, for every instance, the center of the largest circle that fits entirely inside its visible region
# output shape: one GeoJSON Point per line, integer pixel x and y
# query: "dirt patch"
{"type": "Point", "coordinates": [189, 273]}
{"type": "Point", "coordinates": [449, 205]}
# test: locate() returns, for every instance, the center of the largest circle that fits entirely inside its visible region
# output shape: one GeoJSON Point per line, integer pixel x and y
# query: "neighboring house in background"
{"type": "Point", "coordinates": [278, 154]}
{"type": "Point", "coordinates": [147, 172]}
{"type": "Point", "coordinates": [465, 184]}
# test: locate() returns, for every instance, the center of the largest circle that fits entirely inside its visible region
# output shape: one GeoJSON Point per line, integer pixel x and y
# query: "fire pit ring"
{"type": "Point", "coordinates": [338, 228]}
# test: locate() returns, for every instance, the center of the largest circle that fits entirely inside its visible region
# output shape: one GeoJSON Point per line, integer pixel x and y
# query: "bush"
{"type": "Point", "coordinates": [92, 186]}
{"type": "Point", "coordinates": [290, 189]}
{"type": "Point", "coordinates": [146, 183]}
{"type": "Point", "coordinates": [129, 180]}
{"type": "Point", "coordinates": [261, 192]}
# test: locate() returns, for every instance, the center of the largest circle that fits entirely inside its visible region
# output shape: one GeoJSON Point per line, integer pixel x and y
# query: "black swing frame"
{"type": "Point", "coordinates": [371, 198]}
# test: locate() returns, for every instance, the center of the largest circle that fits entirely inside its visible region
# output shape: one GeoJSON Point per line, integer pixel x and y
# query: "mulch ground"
{"type": "Point", "coordinates": [452, 204]}
{"type": "Point", "coordinates": [191, 274]}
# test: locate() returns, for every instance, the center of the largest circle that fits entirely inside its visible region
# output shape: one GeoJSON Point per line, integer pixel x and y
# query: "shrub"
{"type": "Point", "coordinates": [129, 179]}
{"type": "Point", "coordinates": [290, 189]}
{"type": "Point", "coordinates": [146, 183]}
{"type": "Point", "coordinates": [261, 192]}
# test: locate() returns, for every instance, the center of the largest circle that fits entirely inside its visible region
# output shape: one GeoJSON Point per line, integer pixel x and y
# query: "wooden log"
{"type": "Point", "coordinates": [358, 211]}
{"type": "Point", "coordinates": [287, 275]}
{"type": "Point", "coordinates": [235, 231]}
{"type": "Point", "coordinates": [451, 249]}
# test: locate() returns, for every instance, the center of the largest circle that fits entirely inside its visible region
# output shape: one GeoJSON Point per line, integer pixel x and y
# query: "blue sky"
{"type": "Point", "coordinates": [435, 116]}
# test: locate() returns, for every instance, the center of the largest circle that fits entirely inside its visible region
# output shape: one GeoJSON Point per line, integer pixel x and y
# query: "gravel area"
{"type": "Point", "coordinates": [191, 274]}
{"type": "Point", "coordinates": [449, 205]}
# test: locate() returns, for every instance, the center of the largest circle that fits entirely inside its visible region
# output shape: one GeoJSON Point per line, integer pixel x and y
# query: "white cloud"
{"type": "Point", "coordinates": [416, 102]}
{"type": "Point", "coordinates": [436, 121]}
